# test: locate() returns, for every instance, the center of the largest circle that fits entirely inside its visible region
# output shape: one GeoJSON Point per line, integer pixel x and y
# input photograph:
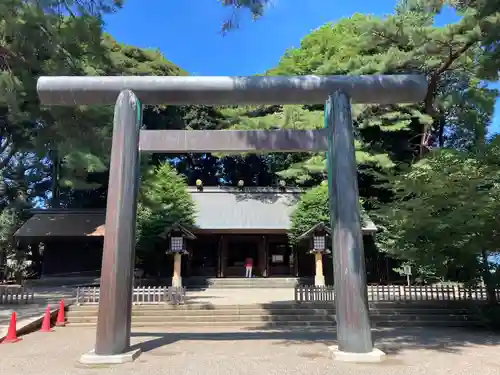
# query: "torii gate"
{"type": "Point", "coordinates": [127, 93]}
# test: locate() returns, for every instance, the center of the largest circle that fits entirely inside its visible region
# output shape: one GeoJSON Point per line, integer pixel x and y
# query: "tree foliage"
{"type": "Point", "coordinates": [444, 214]}
{"type": "Point", "coordinates": [405, 42]}
{"type": "Point", "coordinates": [314, 208]}
{"type": "Point", "coordinates": [45, 38]}
{"type": "Point", "coordinates": [163, 202]}
{"type": "Point", "coordinates": [256, 9]}
{"type": "Point", "coordinates": [13, 260]}
{"type": "Point", "coordinates": [396, 146]}
{"type": "Point", "coordinates": [425, 166]}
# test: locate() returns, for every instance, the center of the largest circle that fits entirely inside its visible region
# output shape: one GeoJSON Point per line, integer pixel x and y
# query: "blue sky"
{"type": "Point", "coordinates": [187, 32]}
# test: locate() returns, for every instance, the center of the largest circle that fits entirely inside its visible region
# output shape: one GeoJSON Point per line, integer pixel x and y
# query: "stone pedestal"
{"type": "Point", "coordinates": [319, 278]}
{"type": "Point", "coordinates": [374, 356]}
{"type": "Point", "coordinates": [176, 281]}
{"type": "Point", "coordinates": [113, 359]}
{"type": "Point", "coordinates": [176, 277]}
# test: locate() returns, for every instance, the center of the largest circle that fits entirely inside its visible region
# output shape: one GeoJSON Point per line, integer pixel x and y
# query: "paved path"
{"type": "Point", "coordinates": [229, 352]}
{"type": "Point", "coordinates": [234, 296]}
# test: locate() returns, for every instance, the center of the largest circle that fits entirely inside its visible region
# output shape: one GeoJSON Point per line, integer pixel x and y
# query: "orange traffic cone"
{"type": "Point", "coordinates": [12, 331]}
{"type": "Point", "coordinates": [60, 321]}
{"type": "Point", "coordinates": [46, 321]}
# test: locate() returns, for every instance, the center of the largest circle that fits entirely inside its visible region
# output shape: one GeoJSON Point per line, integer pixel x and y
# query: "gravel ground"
{"type": "Point", "coordinates": [221, 352]}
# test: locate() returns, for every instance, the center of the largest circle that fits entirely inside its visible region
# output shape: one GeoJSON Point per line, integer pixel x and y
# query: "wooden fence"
{"type": "Point", "coordinates": [381, 293]}
{"type": "Point", "coordinates": [140, 295]}
{"type": "Point", "coordinates": [16, 295]}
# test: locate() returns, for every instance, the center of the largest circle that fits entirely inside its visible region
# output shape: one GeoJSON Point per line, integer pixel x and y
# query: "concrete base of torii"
{"type": "Point", "coordinates": [375, 356]}
{"type": "Point", "coordinates": [91, 358]}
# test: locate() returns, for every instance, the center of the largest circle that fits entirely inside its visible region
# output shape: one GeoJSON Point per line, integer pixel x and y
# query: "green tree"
{"type": "Point", "coordinates": [483, 16]}
{"type": "Point", "coordinates": [13, 260]}
{"type": "Point", "coordinates": [444, 215]}
{"type": "Point", "coordinates": [163, 201]}
{"type": "Point", "coordinates": [84, 167]}
{"type": "Point", "coordinates": [313, 208]}
{"type": "Point", "coordinates": [404, 42]}
{"type": "Point", "coordinates": [480, 22]}
{"type": "Point", "coordinates": [53, 37]}
{"type": "Point", "coordinates": [256, 9]}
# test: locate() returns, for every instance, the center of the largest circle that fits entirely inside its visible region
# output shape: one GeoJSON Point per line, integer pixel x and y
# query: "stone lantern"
{"type": "Point", "coordinates": [317, 240]}
{"type": "Point", "coordinates": [177, 236]}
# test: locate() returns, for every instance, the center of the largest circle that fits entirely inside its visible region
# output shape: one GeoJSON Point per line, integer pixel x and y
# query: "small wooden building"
{"type": "Point", "coordinates": [232, 224]}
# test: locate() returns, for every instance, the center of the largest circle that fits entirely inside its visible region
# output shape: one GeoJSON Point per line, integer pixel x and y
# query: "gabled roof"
{"type": "Point", "coordinates": [319, 226]}
{"type": "Point", "coordinates": [217, 208]}
{"type": "Point", "coordinates": [249, 208]}
{"type": "Point", "coordinates": [63, 223]}
{"type": "Point", "coordinates": [178, 227]}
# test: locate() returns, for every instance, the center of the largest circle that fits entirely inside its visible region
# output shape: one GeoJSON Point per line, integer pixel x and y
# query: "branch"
{"type": "Point", "coordinates": [4, 144]}
{"type": "Point", "coordinates": [436, 75]}
{"type": "Point", "coordinates": [7, 157]}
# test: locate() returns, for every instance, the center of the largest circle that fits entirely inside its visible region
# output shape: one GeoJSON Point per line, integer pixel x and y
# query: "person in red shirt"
{"type": "Point", "coordinates": [248, 267]}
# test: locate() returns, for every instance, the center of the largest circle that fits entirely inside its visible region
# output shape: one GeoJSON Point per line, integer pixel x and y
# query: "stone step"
{"type": "Point", "coordinates": [323, 324]}
{"type": "Point", "coordinates": [229, 283]}
{"type": "Point", "coordinates": [159, 312]}
{"type": "Point", "coordinates": [207, 307]}
{"type": "Point", "coordinates": [229, 280]}
{"type": "Point", "coordinates": [257, 309]}
{"type": "Point", "coordinates": [247, 312]}
{"type": "Point", "coordinates": [240, 286]}
{"type": "Point", "coordinates": [320, 305]}
{"type": "Point", "coordinates": [320, 326]}
{"type": "Point", "coordinates": [383, 305]}
{"type": "Point", "coordinates": [270, 317]}
{"type": "Point", "coordinates": [430, 323]}
{"type": "Point", "coordinates": [421, 318]}
{"type": "Point", "coordinates": [222, 318]}
{"type": "Point", "coordinates": [242, 282]}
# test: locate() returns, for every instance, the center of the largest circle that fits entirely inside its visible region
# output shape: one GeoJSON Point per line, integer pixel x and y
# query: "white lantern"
{"type": "Point", "coordinates": [176, 244]}
{"type": "Point", "coordinates": [319, 243]}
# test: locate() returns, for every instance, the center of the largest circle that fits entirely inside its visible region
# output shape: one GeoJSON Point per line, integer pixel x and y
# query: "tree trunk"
{"type": "Point", "coordinates": [56, 164]}
{"type": "Point", "coordinates": [488, 279]}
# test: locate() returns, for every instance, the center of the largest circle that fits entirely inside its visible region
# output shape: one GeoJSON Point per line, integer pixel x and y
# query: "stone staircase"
{"type": "Point", "coordinates": [193, 282]}
{"type": "Point", "coordinates": [241, 283]}
{"type": "Point", "coordinates": [276, 316]}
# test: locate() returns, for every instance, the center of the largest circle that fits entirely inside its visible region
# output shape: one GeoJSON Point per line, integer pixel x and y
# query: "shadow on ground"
{"type": "Point", "coordinates": [390, 340]}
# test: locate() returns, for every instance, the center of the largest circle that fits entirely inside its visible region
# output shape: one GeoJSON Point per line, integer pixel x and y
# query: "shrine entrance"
{"type": "Point", "coordinates": [238, 249]}
{"type": "Point", "coordinates": [337, 138]}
